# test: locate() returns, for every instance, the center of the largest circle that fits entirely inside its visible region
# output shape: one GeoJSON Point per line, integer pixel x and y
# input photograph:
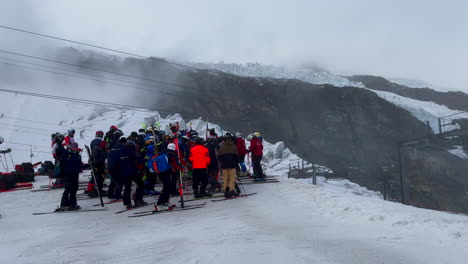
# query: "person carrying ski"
{"type": "Point", "coordinates": [200, 159]}
{"type": "Point", "coordinates": [98, 160]}
{"type": "Point", "coordinates": [256, 148]}
{"type": "Point", "coordinates": [73, 165]}
{"type": "Point", "coordinates": [242, 151]}
{"type": "Point", "coordinates": [167, 165]}
{"type": "Point", "coordinates": [229, 158]}
{"type": "Point", "coordinates": [129, 173]}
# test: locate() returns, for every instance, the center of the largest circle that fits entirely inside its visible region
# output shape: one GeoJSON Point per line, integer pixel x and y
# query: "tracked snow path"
{"type": "Point", "coordinates": [287, 222]}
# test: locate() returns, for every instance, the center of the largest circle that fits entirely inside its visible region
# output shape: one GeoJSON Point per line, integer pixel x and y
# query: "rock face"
{"type": "Point", "coordinates": [350, 130]}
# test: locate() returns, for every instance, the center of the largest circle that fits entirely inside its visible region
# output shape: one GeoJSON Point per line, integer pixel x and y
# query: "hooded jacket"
{"type": "Point", "coordinates": [228, 155]}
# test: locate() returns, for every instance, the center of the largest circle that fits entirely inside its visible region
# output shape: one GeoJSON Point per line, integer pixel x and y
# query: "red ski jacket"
{"type": "Point", "coordinates": [200, 157]}
{"type": "Point", "coordinates": [256, 147]}
{"type": "Point", "coordinates": [240, 144]}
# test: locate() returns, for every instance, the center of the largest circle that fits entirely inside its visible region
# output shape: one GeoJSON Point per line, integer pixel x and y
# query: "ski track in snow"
{"type": "Point", "coordinates": [287, 222]}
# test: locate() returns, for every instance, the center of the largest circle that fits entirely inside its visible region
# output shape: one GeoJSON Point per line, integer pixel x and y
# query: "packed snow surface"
{"type": "Point", "coordinates": [287, 222]}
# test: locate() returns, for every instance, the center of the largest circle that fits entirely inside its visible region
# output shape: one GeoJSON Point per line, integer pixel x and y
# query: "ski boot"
{"type": "Point", "coordinates": [140, 203]}
{"type": "Point", "coordinates": [74, 207]}
{"type": "Point", "coordinates": [62, 208]}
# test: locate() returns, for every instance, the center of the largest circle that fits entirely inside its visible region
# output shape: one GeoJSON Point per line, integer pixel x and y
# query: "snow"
{"type": "Point", "coordinates": [459, 152]}
{"type": "Point", "coordinates": [425, 111]}
{"type": "Point", "coordinates": [292, 221]}
{"type": "Point", "coordinates": [412, 83]}
{"type": "Point", "coordinates": [287, 222]}
{"type": "Point", "coordinates": [277, 72]}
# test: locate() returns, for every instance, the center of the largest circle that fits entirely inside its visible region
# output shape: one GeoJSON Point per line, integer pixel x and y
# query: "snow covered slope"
{"type": "Point", "coordinates": [268, 71]}
{"type": "Point", "coordinates": [424, 111]}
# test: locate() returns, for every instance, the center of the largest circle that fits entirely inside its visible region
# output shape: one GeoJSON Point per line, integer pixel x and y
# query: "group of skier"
{"type": "Point", "coordinates": [150, 154]}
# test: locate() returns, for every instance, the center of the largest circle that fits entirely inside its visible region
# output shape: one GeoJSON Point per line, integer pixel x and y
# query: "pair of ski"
{"type": "Point", "coordinates": [176, 209]}
{"type": "Point", "coordinates": [233, 197]}
{"type": "Point", "coordinates": [135, 207]}
{"type": "Point", "coordinates": [71, 211]}
{"type": "Point", "coordinates": [259, 182]}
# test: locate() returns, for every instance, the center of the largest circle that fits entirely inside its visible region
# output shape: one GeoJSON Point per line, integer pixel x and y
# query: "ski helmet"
{"type": "Point", "coordinates": [257, 134]}
{"type": "Point", "coordinates": [71, 131]}
{"type": "Point", "coordinates": [113, 128]}
{"type": "Point", "coordinates": [2, 140]}
{"type": "Point", "coordinates": [59, 137]}
{"type": "Point", "coordinates": [99, 134]}
{"type": "Point", "coordinates": [199, 141]}
{"type": "Point", "coordinates": [118, 132]}
{"type": "Point", "coordinates": [171, 146]}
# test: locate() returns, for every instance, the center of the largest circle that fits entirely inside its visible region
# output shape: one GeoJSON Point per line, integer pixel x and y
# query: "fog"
{"type": "Point", "coordinates": [417, 39]}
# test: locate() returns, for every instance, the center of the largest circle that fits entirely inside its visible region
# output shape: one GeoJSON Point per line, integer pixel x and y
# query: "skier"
{"type": "Point", "coordinates": [113, 165]}
{"type": "Point", "coordinates": [168, 156]}
{"type": "Point", "coordinates": [150, 177]}
{"type": "Point", "coordinates": [59, 153]}
{"type": "Point", "coordinates": [115, 138]}
{"type": "Point", "coordinates": [69, 139]}
{"type": "Point", "coordinates": [256, 148]}
{"type": "Point", "coordinates": [98, 159]}
{"type": "Point", "coordinates": [97, 140]}
{"type": "Point", "coordinates": [129, 173]}
{"type": "Point", "coordinates": [213, 169]}
{"type": "Point", "coordinates": [228, 156]}
{"type": "Point", "coordinates": [96, 164]}
{"type": "Point", "coordinates": [109, 133]}
{"type": "Point", "coordinates": [242, 151]}
{"type": "Point", "coordinates": [73, 165]}
{"type": "Point", "coordinates": [200, 159]}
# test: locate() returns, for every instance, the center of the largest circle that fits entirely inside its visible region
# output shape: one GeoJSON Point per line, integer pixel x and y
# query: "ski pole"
{"type": "Point", "coordinates": [242, 187]}
{"type": "Point", "coordinates": [94, 174]}
{"type": "Point", "coordinates": [181, 190]}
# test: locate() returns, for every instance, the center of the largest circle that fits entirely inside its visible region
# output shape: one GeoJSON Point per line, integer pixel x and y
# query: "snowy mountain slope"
{"type": "Point", "coordinates": [268, 71]}
{"type": "Point", "coordinates": [411, 82]}
{"type": "Point", "coordinates": [424, 111]}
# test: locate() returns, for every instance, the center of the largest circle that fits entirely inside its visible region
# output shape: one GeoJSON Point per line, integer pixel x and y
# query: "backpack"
{"type": "Point", "coordinates": [160, 163]}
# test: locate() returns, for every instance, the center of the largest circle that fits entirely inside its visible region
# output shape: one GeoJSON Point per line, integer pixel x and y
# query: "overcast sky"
{"type": "Point", "coordinates": [420, 39]}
